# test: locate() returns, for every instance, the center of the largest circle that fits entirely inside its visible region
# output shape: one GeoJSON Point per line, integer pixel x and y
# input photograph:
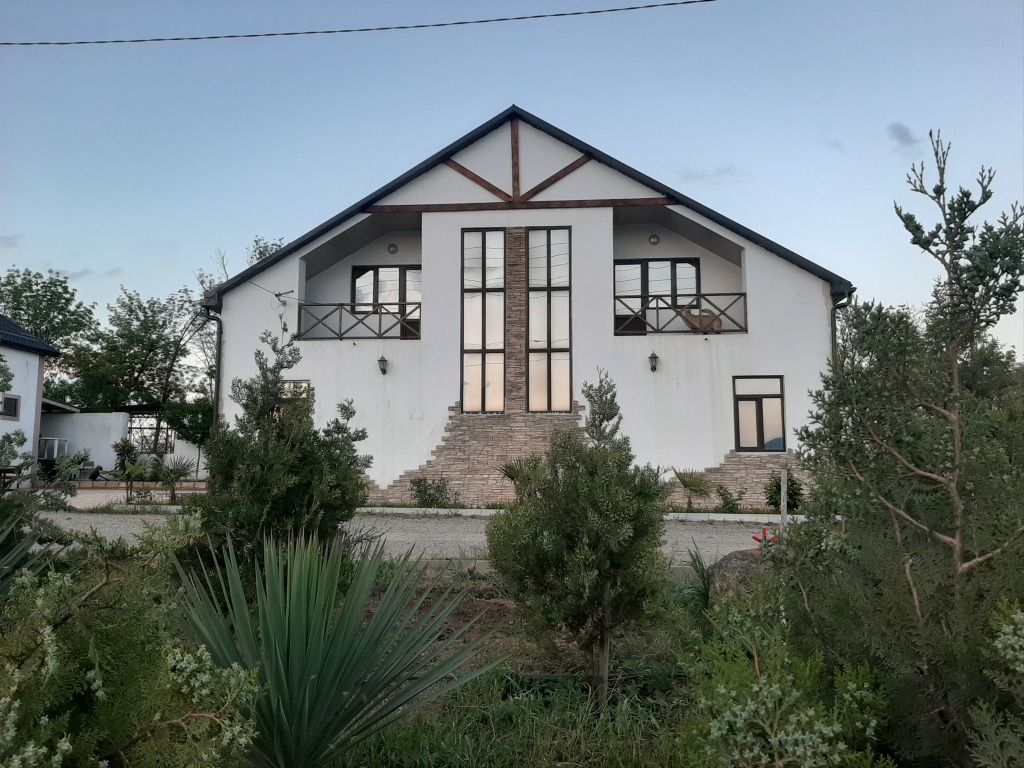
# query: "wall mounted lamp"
{"type": "Point", "coordinates": [654, 361]}
{"type": "Point", "coordinates": [382, 363]}
{"type": "Point", "coordinates": [653, 239]}
{"type": "Point", "coordinates": [393, 248]}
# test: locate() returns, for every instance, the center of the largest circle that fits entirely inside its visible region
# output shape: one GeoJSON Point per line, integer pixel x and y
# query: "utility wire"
{"type": "Point", "coordinates": [394, 28]}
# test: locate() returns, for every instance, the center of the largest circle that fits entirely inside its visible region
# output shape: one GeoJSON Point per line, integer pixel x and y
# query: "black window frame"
{"type": "Point", "coordinates": [408, 329]}
{"type": "Point", "coordinates": [6, 398]}
{"type": "Point", "coordinates": [549, 290]}
{"type": "Point", "coordinates": [634, 325]}
{"type": "Point", "coordinates": [483, 290]}
{"type": "Point", "coordinates": [759, 418]}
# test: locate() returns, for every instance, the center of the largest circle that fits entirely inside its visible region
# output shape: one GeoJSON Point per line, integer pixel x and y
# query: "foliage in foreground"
{"type": "Point", "coordinates": [914, 446]}
{"type": "Point", "coordinates": [329, 679]}
{"type": "Point", "coordinates": [92, 670]}
{"type": "Point", "coordinates": [503, 721]}
{"type": "Point", "coordinates": [580, 548]}
{"type": "Point", "coordinates": [275, 473]}
{"type": "Point", "coordinates": [762, 704]}
{"type": "Point", "coordinates": [997, 740]}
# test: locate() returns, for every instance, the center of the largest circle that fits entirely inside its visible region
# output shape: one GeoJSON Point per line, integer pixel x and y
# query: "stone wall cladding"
{"type": "Point", "coordinates": [476, 445]}
{"type": "Point", "coordinates": [747, 473]}
{"type": "Point", "coordinates": [473, 450]}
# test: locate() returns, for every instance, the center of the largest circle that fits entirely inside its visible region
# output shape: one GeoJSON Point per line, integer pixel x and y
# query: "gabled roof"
{"type": "Point", "coordinates": [14, 336]}
{"type": "Point", "coordinates": [841, 288]}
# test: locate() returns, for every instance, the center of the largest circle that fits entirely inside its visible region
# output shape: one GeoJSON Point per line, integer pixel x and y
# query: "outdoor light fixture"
{"type": "Point", "coordinates": [653, 239]}
{"type": "Point", "coordinates": [382, 363]}
{"type": "Point", "coordinates": [654, 361]}
{"type": "Point", "coordinates": [393, 249]}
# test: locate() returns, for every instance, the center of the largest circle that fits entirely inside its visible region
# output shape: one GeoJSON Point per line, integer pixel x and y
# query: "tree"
{"type": "Point", "coordinates": [580, 547]}
{"type": "Point", "coordinates": [261, 248]}
{"type": "Point", "coordinates": [48, 308]}
{"type": "Point", "coordinates": [912, 446]}
{"type": "Point", "coordinates": [275, 472]}
{"type": "Point", "coordinates": [142, 357]}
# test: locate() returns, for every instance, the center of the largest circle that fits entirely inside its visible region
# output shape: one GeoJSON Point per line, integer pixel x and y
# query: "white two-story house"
{"type": "Point", "coordinates": [462, 306]}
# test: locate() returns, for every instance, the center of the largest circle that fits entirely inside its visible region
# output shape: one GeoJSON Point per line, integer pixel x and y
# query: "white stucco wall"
{"type": "Point", "coordinates": [94, 432]}
{"type": "Point", "coordinates": [27, 383]}
{"type": "Point", "coordinates": [680, 416]}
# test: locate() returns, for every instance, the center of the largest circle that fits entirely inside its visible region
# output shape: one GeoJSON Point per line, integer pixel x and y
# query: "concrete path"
{"type": "Point", "coordinates": [435, 536]}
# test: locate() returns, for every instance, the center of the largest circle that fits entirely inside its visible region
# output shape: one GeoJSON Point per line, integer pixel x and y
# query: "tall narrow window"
{"type": "Point", "coordinates": [483, 321]}
{"type": "Point", "coordinates": [759, 413]}
{"type": "Point", "coordinates": [549, 363]}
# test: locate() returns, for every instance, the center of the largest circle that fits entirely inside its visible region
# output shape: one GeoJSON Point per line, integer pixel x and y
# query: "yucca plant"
{"type": "Point", "coordinates": [330, 677]}
{"type": "Point", "coordinates": [694, 483]}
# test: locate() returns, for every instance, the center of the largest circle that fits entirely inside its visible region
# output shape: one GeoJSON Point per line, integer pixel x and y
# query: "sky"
{"type": "Point", "coordinates": [133, 165]}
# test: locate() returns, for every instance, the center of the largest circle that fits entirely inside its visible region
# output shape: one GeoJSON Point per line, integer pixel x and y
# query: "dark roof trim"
{"type": "Point", "coordinates": [840, 286]}
{"type": "Point", "coordinates": [14, 336]}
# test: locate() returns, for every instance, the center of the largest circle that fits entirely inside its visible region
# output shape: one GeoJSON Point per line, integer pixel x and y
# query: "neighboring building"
{"type": "Point", "coordinates": [20, 408]}
{"type": "Point", "coordinates": [490, 281]}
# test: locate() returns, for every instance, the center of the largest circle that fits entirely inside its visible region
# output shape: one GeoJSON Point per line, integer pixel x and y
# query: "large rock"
{"type": "Point", "coordinates": [736, 572]}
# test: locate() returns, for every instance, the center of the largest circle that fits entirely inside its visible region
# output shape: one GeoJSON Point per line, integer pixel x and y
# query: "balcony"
{"type": "Point", "coordinates": [701, 313]}
{"type": "Point", "coordinates": [359, 321]}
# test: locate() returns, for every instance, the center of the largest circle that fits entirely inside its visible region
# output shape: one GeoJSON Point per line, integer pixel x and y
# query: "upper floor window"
{"type": "Point", "coordinates": [10, 407]}
{"type": "Point", "coordinates": [759, 413]}
{"type": "Point", "coordinates": [647, 289]}
{"type": "Point", "coordinates": [549, 372]}
{"type": "Point", "coordinates": [483, 320]}
{"type": "Point", "coordinates": [390, 291]}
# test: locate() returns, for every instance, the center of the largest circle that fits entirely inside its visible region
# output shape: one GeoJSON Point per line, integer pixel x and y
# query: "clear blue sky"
{"type": "Point", "coordinates": [133, 164]}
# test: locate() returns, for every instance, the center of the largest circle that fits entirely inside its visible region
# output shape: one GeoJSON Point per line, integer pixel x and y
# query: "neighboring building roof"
{"type": "Point", "coordinates": [55, 406]}
{"type": "Point", "coordinates": [14, 336]}
{"type": "Point", "coordinates": [841, 288]}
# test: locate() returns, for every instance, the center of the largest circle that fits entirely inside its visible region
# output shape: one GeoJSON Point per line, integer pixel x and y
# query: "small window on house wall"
{"type": "Point", "coordinates": [10, 407]}
{"type": "Point", "coordinates": [759, 413]}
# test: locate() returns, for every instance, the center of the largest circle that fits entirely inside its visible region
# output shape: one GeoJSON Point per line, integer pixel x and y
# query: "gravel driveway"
{"type": "Point", "coordinates": [435, 536]}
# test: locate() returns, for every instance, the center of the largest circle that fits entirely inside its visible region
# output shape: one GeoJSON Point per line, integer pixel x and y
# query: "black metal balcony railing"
{"type": "Point", "coordinates": [699, 313]}
{"type": "Point", "coordinates": [359, 321]}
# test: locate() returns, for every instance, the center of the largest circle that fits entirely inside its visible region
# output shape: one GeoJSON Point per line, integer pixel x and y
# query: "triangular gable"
{"type": "Point", "coordinates": [516, 160]}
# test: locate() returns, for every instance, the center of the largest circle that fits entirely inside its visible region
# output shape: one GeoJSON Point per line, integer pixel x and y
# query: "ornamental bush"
{"type": "Point", "coordinates": [579, 548]}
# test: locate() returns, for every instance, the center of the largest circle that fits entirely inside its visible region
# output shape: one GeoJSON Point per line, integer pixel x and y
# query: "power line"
{"type": "Point", "coordinates": [394, 28]}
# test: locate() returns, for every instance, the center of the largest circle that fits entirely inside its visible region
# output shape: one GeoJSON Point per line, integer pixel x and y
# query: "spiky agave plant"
{"type": "Point", "coordinates": [330, 677]}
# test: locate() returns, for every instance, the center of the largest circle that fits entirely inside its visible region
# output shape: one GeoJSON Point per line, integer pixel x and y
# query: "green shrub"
{"type": "Point", "coordinates": [126, 453]}
{"type": "Point", "coordinates": [95, 674]}
{"type": "Point", "coordinates": [579, 549]}
{"type": "Point", "coordinates": [794, 492]}
{"type": "Point", "coordinates": [434, 493]}
{"type": "Point", "coordinates": [729, 503]}
{"type": "Point", "coordinates": [761, 704]}
{"type": "Point", "coordinates": [275, 473]}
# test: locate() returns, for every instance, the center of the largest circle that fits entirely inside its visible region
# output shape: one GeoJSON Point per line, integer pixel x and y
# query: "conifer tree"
{"type": "Point", "coordinates": [913, 446]}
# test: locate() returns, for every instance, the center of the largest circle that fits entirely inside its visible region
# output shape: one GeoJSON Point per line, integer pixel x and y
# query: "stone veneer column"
{"type": "Point", "coordinates": [515, 320]}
